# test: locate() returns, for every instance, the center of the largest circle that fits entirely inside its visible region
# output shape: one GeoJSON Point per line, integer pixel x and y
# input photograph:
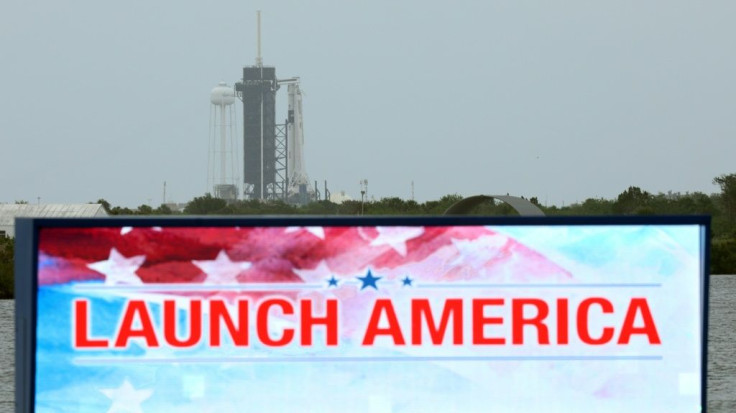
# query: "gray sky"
{"type": "Point", "coordinates": [559, 100]}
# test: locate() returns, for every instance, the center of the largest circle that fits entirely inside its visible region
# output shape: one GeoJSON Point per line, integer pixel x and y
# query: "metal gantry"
{"type": "Point", "coordinates": [281, 183]}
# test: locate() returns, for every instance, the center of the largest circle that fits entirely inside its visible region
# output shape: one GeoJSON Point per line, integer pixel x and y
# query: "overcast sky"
{"type": "Point", "coordinates": [560, 100]}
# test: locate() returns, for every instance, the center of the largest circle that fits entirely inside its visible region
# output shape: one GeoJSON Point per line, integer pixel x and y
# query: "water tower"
{"type": "Point", "coordinates": [222, 169]}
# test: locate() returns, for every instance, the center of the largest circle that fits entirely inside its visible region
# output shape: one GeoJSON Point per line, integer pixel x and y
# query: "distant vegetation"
{"type": "Point", "coordinates": [6, 267]}
{"type": "Point", "coordinates": [633, 201]}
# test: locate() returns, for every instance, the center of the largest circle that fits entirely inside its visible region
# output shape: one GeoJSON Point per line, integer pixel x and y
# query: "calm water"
{"type": "Point", "coordinates": [721, 348]}
{"type": "Point", "coordinates": [722, 344]}
{"type": "Point", "coordinates": [7, 356]}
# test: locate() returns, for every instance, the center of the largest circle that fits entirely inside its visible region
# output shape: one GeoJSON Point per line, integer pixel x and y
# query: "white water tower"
{"type": "Point", "coordinates": [222, 168]}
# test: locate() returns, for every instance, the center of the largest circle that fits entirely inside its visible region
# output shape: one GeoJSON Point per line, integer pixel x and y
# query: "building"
{"type": "Point", "coordinates": [9, 212]}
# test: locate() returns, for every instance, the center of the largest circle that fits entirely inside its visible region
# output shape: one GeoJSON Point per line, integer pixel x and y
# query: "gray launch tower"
{"type": "Point", "coordinates": [258, 92]}
{"type": "Point", "coordinates": [273, 158]}
{"type": "Point", "coordinates": [261, 168]}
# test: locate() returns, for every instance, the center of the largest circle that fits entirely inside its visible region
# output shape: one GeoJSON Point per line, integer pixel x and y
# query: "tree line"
{"type": "Point", "coordinates": [633, 201]}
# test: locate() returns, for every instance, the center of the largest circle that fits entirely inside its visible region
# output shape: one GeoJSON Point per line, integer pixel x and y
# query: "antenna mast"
{"type": "Point", "coordinates": [259, 59]}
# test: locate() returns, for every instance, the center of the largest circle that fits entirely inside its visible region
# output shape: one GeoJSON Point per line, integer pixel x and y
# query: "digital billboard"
{"type": "Point", "coordinates": [363, 315]}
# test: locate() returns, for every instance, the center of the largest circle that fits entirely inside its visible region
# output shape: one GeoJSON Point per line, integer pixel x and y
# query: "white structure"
{"type": "Point", "coordinates": [222, 168]}
{"type": "Point", "coordinates": [295, 162]}
{"type": "Point", "coordinates": [9, 212]}
{"type": "Point", "coordinates": [340, 197]}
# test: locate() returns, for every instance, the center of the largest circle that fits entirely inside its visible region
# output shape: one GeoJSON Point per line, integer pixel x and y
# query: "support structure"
{"type": "Point", "coordinates": [520, 205]}
{"type": "Point", "coordinates": [281, 183]}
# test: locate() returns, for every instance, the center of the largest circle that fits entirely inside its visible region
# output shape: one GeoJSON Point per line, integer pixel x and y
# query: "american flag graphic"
{"type": "Point", "coordinates": [355, 265]}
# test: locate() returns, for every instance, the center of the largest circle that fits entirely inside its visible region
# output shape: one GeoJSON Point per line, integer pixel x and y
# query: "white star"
{"type": "Point", "coordinates": [222, 270]}
{"type": "Point", "coordinates": [125, 230]}
{"type": "Point", "coordinates": [396, 237]}
{"type": "Point", "coordinates": [319, 274]}
{"type": "Point", "coordinates": [126, 399]}
{"type": "Point", "coordinates": [118, 269]}
{"type": "Point", "coordinates": [318, 232]}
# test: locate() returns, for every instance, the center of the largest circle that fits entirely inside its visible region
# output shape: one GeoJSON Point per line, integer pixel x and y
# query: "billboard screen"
{"type": "Point", "coordinates": [361, 315]}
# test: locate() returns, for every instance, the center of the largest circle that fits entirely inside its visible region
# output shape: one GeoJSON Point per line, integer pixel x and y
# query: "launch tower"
{"type": "Point", "coordinates": [273, 159]}
{"type": "Point", "coordinates": [258, 93]}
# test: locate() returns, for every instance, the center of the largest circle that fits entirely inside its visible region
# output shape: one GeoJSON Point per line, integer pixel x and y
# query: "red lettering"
{"type": "Point", "coordinates": [218, 312]}
{"type": "Point", "coordinates": [262, 329]}
{"type": "Point", "coordinates": [81, 329]}
{"type": "Point", "coordinates": [480, 321]}
{"type": "Point", "coordinates": [519, 321]}
{"type": "Point", "coordinates": [648, 329]}
{"type": "Point", "coordinates": [583, 311]}
{"type": "Point", "coordinates": [135, 308]}
{"type": "Point", "coordinates": [562, 325]}
{"type": "Point", "coordinates": [181, 330]}
{"type": "Point", "coordinates": [453, 307]}
{"type": "Point", "coordinates": [170, 322]}
{"type": "Point", "coordinates": [308, 321]}
{"type": "Point", "coordinates": [383, 305]}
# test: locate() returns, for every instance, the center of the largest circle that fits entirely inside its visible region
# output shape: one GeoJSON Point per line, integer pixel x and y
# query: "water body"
{"type": "Point", "coordinates": [722, 344]}
{"type": "Point", "coordinates": [7, 356]}
{"type": "Point", "coordinates": [721, 348]}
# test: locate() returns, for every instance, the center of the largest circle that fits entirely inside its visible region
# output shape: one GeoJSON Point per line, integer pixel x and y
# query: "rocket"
{"type": "Point", "coordinates": [297, 171]}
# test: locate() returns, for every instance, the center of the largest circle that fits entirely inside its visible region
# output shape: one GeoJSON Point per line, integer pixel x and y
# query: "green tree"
{"type": "Point", "coordinates": [320, 208]}
{"type": "Point", "coordinates": [6, 267]}
{"type": "Point", "coordinates": [723, 256]}
{"type": "Point", "coordinates": [204, 205]}
{"type": "Point", "coordinates": [439, 207]}
{"type": "Point", "coordinates": [393, 206]}
{"type": "Point", "coordinates": [163, 209]}
{"type": "Point", "coordinates": [144, 210]}
{"type": "Point", "coordinates": [592, 206]}
{"type": "Point", "coordinates": [349, 208]}
{"type": "Point", "coordinates": [105, 205]}
{"type": "Point", "coordinates": [633, 201]}
{"type": "Point", "coordinates": [728, 194]}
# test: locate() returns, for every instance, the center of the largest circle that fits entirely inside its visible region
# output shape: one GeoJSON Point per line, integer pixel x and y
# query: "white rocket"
{"type": "Point", "coordinates": [295, 165]}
